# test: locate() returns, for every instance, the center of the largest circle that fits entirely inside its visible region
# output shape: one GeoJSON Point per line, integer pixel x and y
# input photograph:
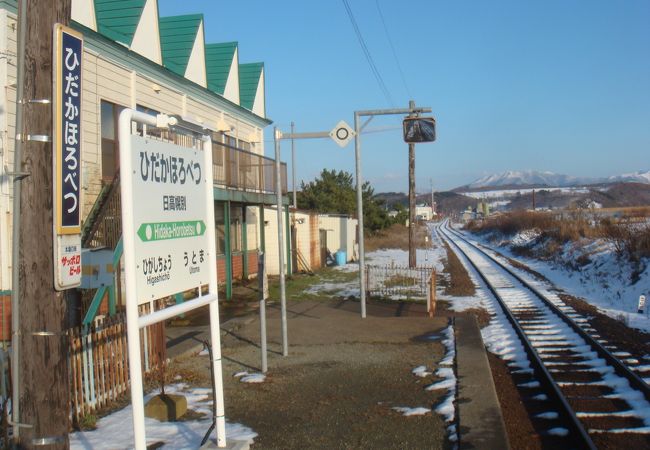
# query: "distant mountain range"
{"type": "Point", "coordinates": [531, 178]}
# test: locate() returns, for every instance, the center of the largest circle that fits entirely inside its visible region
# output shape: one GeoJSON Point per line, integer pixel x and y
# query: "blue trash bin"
{"type": "Point", "coordinates": [341, 258]}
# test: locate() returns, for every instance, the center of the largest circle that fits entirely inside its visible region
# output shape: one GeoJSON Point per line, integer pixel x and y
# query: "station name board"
{"type": "Point", "coordinates": [67, 107]}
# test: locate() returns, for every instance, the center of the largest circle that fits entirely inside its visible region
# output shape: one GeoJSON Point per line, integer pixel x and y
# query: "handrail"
{"type": "Point", "coordinates": [110, 203]}
{"type": "Point", "coordinates": [239, 169]}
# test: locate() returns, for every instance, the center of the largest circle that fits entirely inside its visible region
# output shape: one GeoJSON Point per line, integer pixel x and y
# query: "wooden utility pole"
{"type": "Point", "coordinates": [44, 399]}
{"type": "Point", "coordinates": [412, 255]}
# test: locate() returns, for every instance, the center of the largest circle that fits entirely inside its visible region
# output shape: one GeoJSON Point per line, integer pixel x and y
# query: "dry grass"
{"type": "Point", "coordinates": [562, 229]}
{"type": "Point", "coordinates": [397, 236]}
{"type": "Point", "coordinates": [629, 233]}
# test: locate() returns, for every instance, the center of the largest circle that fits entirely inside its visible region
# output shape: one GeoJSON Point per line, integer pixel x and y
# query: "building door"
{"type": "Point", "coordinates": [323, 247]}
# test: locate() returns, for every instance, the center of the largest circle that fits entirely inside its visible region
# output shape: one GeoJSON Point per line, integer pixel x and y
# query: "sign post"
{"type": "Point", "coordinates": [66, 159]}
{"type": "Point", "coordinates": [641, 307]}
{"type": "Point", "coordinates": [169, 243]}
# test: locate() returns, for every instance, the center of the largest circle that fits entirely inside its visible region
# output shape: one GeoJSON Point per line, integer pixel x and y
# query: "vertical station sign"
{"type": "Point", "coordinates": [169, 218]}
{"type": "Point", "coordinates": [68, 56]}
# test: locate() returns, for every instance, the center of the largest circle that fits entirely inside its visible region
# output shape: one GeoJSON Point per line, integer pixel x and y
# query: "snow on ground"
{"type": "Point", "coordinates": [604, 281]}
{"type": "Point", "coordinates": [498, 336]}
{"type": "Point", "coordinates": [406, 411]}
{"type": "Point", "coordinates": [115, 431]}
{"type": "Point", "coordinates": [431, 257]}
{"type": "Point", "coordinates": [421, 371]}
{"type": "Point", "coordinates": [246, 377]}
{"type": "Point", "coordinates": [501, 339]}
{"type": "Point", "coordinates": [448, 381]}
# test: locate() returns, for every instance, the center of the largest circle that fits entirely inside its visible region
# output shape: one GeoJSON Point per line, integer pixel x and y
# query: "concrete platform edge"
{"type": "Point", "coordinates": [481, 424]}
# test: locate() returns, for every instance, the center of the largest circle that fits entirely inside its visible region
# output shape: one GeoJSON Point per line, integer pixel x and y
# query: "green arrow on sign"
{"type": "Point", "coordinates": [160, 231]}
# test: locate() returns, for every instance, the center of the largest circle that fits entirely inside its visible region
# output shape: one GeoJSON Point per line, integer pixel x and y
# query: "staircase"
{"type": "Point", "coordinates": [103, 228]}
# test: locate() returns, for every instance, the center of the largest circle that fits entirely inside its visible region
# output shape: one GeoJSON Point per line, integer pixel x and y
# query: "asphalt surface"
{"type": "Point", "coordinates": [343, 376]}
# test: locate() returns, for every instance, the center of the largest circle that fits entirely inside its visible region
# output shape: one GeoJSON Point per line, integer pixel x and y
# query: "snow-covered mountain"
{"type": "Point", "coordinates": [550, 179]}
{"type": "Point", "coordinates": [526, 178]}
{"type": "Point", "coordinates": [635, 177]}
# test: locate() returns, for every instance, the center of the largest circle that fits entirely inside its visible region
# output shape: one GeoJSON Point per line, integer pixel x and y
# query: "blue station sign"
{"type": "Point", "coordinates": [66, 157]}
{"type": "Point", "coordinates": [68, 56]}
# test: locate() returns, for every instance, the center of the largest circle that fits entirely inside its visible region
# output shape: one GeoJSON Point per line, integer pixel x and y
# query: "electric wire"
{"type": "Point", "coordinates": [392, 47]}
{"type": "Point", "coordinates": [366, 52]}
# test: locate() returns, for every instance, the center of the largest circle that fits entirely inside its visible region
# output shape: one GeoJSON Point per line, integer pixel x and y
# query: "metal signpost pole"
{"type": "Point", "coordinates": [128, 237]}
{"type": "Point", "coordinates": [278, 189]}
{"type": "Point", "coordinates": [293, 168]}
{"type": "Point", "coordinates": [362, 256]}
{"type": "Point", "coordinates": [357, 147]}
{"type": "Point", "coordinates": [215, 332]}
{"type": "Point", "coordinates": [262, 283]}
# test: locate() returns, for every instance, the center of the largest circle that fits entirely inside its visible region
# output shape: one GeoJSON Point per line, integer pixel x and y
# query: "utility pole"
{"type": "Point", "coordinates": [44, 402]}
{"type": "Point", "coordinates": [534, 206]}
{"type": "Point", "coordinates": [412, 256]}
{"type": "Point", "coordinates": [433, 208]}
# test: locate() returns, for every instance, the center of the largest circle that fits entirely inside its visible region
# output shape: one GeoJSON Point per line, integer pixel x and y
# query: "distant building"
{"type": "Point", "coordinates": [423, 212]}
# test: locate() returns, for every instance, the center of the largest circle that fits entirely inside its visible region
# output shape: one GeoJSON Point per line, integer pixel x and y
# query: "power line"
{"type": "Point", "coordinates": [367, 54]}
{"type": "Point", "coordinates": [392, 47]}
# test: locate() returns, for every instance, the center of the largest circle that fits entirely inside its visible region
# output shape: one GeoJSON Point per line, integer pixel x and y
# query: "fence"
{"type": "Point", "coordinates": [243, 170]}
{"type": "Point", "coordinates": [400, 283]}
{"type": "Point", "coordinates": [99, 366]}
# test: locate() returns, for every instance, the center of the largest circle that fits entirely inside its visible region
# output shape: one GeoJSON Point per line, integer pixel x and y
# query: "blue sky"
{"type": "Point", "coordinates": [557, 85]}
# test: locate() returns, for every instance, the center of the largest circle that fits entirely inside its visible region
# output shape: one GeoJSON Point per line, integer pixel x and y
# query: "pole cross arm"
{"type": "Point", "coordinates": [308, 135]}
{"type": "Point", "coordinates": [386, 112]}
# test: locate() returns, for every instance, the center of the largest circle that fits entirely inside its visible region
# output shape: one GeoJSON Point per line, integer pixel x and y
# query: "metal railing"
{"type": "Point", "coordinates": [399, 283]}
{"type": "Point", "coordinates": [238, 169]}
{"type": "Point", "coordinates": [105, 227]}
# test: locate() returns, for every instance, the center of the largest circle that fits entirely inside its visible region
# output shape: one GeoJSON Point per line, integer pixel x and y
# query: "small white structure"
{"type": "Point", "coordinates": [314, 239]}
{"type": "Point", "coordinates": [423, 212]}
{"type": "Point", "coordinates": [340, 233]}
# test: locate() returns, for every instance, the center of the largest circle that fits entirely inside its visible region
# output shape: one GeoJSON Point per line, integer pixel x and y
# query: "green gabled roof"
{"type": "Point", "coordinates": [118, 19]}
{"type": "Point", "coordinates": [218, 60]}
{"type": "Point", "coordinates": [177, 37]}
{"type": "Point", "coordinates": [249, 78]}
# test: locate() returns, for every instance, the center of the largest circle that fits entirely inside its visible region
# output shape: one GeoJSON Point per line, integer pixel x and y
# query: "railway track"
{"type": "Point", "coordinates": [580, 395]}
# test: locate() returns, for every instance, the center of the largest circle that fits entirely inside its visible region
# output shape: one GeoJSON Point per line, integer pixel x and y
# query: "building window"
{"type": "Point", "coordinates": [220, 229]}
{"type": "Point", "coordinates": [144, 129]}
{"type": "Point", "coordinates": [110, 145]}
{"type": "Point", "coordinates": [235, 228]}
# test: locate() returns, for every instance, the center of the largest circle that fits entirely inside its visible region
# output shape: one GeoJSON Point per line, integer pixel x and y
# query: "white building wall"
{"type": "Point", "coordinates": [83, 12]}
{"type": "Point", "coordinates": [341, 234]}
{"type": "Point", "coordinates": [300, 221]}
{"type": "Point", "coordinates": [271, 242]}
{"type": "Point", "coordinates": [196, 65]}
{"type": "Point", "coordinates": [146, 40]}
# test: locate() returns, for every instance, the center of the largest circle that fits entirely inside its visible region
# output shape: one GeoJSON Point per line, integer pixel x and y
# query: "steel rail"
{"type": "Point", "coordinates": [579, 435]}
{"type": "Point", "coordinates": [621, 369]}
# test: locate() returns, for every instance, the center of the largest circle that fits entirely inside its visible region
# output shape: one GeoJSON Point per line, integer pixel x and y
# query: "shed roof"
{"type": "Point", "coordinates": [218, 61]}
{"type": "Point", "coordinates": [118, 19]}
{"type": "Point", "coordinates": [177, 37]}
{"type": "Point", "coordinates": [249, 78]}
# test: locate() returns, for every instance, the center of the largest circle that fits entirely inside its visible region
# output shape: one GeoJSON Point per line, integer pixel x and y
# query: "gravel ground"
{"type": "Point", "coordinates": [337, 387]}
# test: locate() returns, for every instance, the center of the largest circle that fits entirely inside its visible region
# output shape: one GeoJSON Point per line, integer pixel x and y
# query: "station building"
{"type": "Point", "coordinates": [134, 58]}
